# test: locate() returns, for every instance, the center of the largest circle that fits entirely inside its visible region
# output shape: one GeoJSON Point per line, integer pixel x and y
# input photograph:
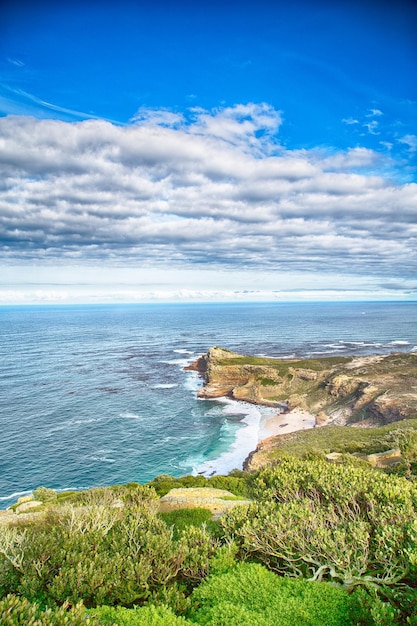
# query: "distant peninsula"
{"type": "Point", "coordinates": [363, 391]}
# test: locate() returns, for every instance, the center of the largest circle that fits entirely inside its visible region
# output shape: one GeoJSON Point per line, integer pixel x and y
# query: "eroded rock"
{"type": "Point", "coordinates": [215, 500]}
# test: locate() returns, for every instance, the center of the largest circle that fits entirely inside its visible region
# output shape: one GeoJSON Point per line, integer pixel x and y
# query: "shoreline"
{"type": "Point", "coordinates": [262, 418]}
{"type": "Point", "coordinates": [284, 423]}
{"type": "Point", "coordinates": [258, 424]}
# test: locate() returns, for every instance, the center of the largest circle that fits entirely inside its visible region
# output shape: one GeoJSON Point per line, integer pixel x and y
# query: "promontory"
{"type": "Point", "coordinates": [366, 390]}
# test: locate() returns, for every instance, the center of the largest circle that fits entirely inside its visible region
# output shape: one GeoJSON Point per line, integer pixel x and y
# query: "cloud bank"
{"type": "Point", "coordinates": [209, 189]}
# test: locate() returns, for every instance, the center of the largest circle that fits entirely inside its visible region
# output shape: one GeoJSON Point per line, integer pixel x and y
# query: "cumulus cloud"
{"type": "Point", "coordinates": [204, 189]}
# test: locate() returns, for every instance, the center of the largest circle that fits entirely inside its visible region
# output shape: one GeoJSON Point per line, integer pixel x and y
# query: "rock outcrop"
{"type": "Point", "coordinates": [367, 391]}
{"type": "Point", "coordinates": [218, 501]}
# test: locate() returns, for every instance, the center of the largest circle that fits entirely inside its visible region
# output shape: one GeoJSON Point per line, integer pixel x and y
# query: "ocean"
{"type": "Point", "coordinates": [98, 395]}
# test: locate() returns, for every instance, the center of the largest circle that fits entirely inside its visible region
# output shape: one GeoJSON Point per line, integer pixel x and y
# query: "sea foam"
{"type": "Point", "coordinates": [246, 439]}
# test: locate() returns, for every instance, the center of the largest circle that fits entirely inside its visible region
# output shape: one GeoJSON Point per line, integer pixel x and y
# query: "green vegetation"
{"type": "Point", "coordinates": [250, 594]}
{"type": "Point", "coordinates": [346, 440]}
{"type": "Point", "coordinates": [234, 482]}
{"type": "Point", "coordinates": [15, 611]}
{"type": "Point", "coordinates": [181, 519]}
{"type": "Point", "coordinates": [283, 367]}
{"type": "Point", "coordinates": [320, 544]}
{"type": "Point", "coordinates": [324, 522]}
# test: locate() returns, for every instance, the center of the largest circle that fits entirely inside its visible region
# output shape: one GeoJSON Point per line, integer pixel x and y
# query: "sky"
{"type": "Point", "coordinates": [208, 151]}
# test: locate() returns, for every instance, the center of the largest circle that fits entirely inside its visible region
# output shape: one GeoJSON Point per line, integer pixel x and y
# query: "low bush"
{"type": "Point", "coordinates": [101, 555]}
{"type": "Point", "coordinates": [182, 518]}
{"type": "Point", "coordinates": [143, 616]}
{"type": "Point", "coordinates": [326, 522]}
{"type": "Point", "coordinates": [249, 594]}
{"type": "Point", "coordinates": [16, 611]}
{"type": "Point", "coordinates": [43, 494]}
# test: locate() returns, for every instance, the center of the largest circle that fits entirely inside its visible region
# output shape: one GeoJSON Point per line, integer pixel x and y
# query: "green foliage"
{"type": "Point", "coordinates": [347, 524]}
{"type": "Point", "coordinates": [236, 483]}
{"type": "Point", "coordinates": [224, 559]}
{"type": "Point", "coordinates": [144, 616]}
{"type": "Point", "coordinates": [249, 594]}
{"type": "Point", "coordinates": [382, 613]}
{"type": "Point", "coordinates": [200, 548]}
{"type": "Point", "coordinates": [266, 382]}
{"type": "Point", "coordinates": [130, 494]}
{"type": "Point", "coordinates": [180, 519]}
{"type": "Point", "coordinates": [348, 440]}
{"type": "Point", "coordinates": [16, 611]}
{"type": "Point", "coordinates": [43, 494]}
{"type": "Point", "coordinates": [101, 555]}
{"type": "Point", "coordinates": [176, 597]}
{"type": "Point", "coordinates": [282, 367]}
{"type": "Point", "coordinates": [66, 496]}
{"type": "Point", "coordinates": [164, 483]}
{"type": "Point", "coordinates": [326, 522]}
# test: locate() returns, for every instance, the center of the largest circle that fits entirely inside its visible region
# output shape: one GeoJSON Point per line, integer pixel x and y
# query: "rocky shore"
{"type": "Point", "coordinates": [371, 390]}
{"type": "Point", "coordinates": [361, 392]}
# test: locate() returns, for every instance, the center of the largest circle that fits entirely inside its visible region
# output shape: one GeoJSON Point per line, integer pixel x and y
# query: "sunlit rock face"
{"type": "Point", "coordinates": [372, 390]}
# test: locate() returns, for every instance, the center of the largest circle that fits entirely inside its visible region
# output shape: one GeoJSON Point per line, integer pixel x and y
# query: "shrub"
{"type": "Point", "coordinates": [16, 611]}
{"type": "Point", "coordinates": [200, 548]}
{"type": "Point", "coordinates": [249, 594]}
{"type": "Point", "coordinates": [144, 616]}
{"type": "Point", "coordinates": [43, 494]}
{"type": "Point", "coordinates": [101, 555]}
{"type": "Point", "coordinates": [182, 518]}
{"type": "Point", "coordinates": [321, 521]}
{"type": "Point", "coordinates": [235, 484]}
{"type": "Point", "coordinates": [163, 483]}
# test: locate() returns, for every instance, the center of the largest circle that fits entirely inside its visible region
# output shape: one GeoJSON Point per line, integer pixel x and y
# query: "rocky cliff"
{"type": "Point", "coordinates": [364, 391]}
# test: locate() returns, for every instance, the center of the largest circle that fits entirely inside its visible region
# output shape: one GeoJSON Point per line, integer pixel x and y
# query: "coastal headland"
{"type": "Point", "coordinates": [360, 392]}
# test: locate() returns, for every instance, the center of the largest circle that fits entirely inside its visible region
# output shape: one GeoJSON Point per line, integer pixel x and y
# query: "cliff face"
{"type": "Point", "coordinates": [343, 390]}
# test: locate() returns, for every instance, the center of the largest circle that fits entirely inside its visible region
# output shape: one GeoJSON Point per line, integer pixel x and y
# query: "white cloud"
{"type": "Point", "coordinates": [212, 190]}
{"type": "Point", "coordinates": [387, 144]}
{"type": "Point", "coordinates": [157, 117]}
{"type": "Point", "coordinates": [410, 141]}
{"type": "Point", "coordinates": [374, 113]}
{"type": "Point", "coordinates": [372, 127]}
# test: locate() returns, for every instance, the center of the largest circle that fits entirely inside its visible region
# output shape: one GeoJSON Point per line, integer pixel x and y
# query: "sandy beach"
{"type": "Point", "coordinates": [283, 423]}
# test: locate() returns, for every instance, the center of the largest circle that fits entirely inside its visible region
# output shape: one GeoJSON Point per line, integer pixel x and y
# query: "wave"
{"type": "Point", "coordinates": [130, 416]}
{"type": "Point", "coordinates": [16, 495]}
{"type": "Point", "coordinates": [246, 439]}
{"type": "Point", "coordinates": [181, 362]}
{"type": "Point", "coordinates": [164, 386]}
{"type": "Point", "coordinates": [192, 382]}
{"type": "Point", "coordinates": [362, 344]}
{"type": "Point", "coordinates": [180, 351]}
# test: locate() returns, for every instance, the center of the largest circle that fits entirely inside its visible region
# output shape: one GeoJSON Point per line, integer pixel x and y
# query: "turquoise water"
{"type": "Point", "coordinates": [95, 395]}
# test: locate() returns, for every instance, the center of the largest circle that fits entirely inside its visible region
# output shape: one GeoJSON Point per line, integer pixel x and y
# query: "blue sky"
{"type": "Point", "coordinates": [207, 151]}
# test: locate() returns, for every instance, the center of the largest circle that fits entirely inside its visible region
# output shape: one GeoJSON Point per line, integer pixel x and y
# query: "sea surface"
{"type": "Point", "coordinates": [97, 395]}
